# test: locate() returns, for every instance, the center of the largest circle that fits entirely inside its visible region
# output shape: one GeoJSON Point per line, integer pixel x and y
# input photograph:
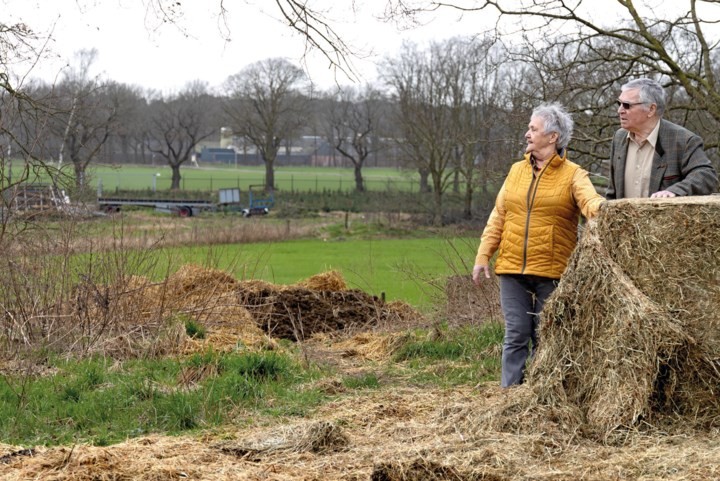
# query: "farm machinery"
{"type": "Point", "coordinates": [259, 203]}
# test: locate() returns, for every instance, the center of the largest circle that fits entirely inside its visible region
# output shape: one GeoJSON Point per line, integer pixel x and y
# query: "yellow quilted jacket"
{"type": "Point", "coordinates": [534, 223]}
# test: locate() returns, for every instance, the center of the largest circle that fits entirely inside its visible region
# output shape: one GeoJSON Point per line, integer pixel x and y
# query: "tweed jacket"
{"type": "Point", "coordinates": [679, 164]}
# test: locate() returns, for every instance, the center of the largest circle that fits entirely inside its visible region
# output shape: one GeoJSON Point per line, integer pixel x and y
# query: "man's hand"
{"type": "Point", "coordinates": [663, 193]}
{"type": "Point", "coordinates": [477, 273]}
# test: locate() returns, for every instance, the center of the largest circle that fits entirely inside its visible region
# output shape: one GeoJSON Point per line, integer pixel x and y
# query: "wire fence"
{"type": "Point", "coordinates": [118, 181]}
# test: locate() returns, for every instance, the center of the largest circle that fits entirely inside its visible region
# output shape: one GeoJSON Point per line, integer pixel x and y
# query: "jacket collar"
{"type": "Point", "coordinates": [662, 133]}
{"type": "Point", "coordinates": [558, 158]}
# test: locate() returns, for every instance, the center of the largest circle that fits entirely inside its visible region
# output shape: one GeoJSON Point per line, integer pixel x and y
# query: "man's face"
{"type": "Point", "coordinates": [636, 115]}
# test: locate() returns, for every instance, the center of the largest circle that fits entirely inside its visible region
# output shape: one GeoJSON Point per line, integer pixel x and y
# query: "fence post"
{"type": "Point", "coordinates": [211, 182]}
{"type": "Point", "coordinates": [292, 184]}
{"type": "Point", "coordinates": [316, 184]}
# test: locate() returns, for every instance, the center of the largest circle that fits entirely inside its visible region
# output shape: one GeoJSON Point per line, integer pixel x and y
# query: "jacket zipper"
{"type": "Point", "coordinates": [532, 191]}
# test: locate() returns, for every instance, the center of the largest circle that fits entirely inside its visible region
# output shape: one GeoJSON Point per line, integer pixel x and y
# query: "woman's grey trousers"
{"type": "Point", "coordinates": [522, 298]}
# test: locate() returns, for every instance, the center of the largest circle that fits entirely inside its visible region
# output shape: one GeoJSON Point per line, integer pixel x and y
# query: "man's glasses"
{"type": "Point", "coordinates": [627, 105]}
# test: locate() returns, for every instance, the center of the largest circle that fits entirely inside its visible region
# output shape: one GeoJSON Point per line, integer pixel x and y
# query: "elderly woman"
{"type": "Point", "coordinates": [534, 229]}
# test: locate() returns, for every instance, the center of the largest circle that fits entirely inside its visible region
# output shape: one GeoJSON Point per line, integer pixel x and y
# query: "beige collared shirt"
{"type": "Point", "coordinates": [638, 164]}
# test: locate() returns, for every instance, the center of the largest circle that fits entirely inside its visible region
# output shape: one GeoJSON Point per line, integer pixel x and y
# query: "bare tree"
{"type": "Point", "coordinates": [130, 136]}
{"type": "Point", "coordinates": [86, 113]}
{"type": "Point", "coordinates": [179, 123]}
{"type": "Point", "coordinates": [585, 59]}
{"type": "Point", "coordinates": [453, 103]}
{"type": "Point", "coordinates": [267, 104]}
{"type": "Point", "coordinates": [353, 122]}
{"type": "Point", "coordinates": [419, 81]}
{"type": "Point", "coordinates": [485, 136]}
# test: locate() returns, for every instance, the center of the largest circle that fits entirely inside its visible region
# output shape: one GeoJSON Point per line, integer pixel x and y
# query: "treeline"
{"type": "Point", "coordinates": [453, 110]}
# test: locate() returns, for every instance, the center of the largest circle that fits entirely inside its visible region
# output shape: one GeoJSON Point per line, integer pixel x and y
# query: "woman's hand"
{"type": "Point", "coordinates": [477, 274]}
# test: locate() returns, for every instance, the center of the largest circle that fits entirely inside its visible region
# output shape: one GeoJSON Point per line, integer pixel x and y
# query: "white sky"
{"type": "Point", "coordinates": [134, 49]}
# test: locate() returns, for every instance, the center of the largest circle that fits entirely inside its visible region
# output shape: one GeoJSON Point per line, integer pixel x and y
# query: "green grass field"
{"type": "Point", "coordinates": [411, 270]}
{"type": "Point", "coordinates": [301, 179]}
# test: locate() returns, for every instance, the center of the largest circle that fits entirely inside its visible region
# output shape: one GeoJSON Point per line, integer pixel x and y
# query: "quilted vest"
{"type": "Point", "coordinates": [541, 219]}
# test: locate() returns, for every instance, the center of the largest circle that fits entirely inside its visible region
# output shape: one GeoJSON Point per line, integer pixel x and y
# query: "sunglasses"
{"type": "Point", "coordinates": [627, 105]}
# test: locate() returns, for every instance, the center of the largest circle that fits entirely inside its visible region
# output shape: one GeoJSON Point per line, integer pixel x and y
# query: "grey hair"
{"type": "Point", "coordinates": [556, 119]}
{"type": "Point", "coordinates": [650, 92]}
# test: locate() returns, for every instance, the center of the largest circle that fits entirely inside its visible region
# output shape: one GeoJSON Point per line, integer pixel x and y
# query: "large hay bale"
{"type": "Point", "coordinates": [631, 334]}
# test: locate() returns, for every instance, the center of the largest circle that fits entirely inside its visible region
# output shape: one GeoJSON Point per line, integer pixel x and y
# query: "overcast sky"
{"type": "Point", "coordinates": [134, 48]}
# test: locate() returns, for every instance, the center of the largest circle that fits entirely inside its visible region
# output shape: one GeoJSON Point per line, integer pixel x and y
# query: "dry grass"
{"type": "Point", "coordinates": [142, 230]}
{"type": "Point", "coordinates": [409, 433]}
{"type": "Point", "coordinates": [471, 304]}
{"type": "Point", "coordinates": [325, 281]}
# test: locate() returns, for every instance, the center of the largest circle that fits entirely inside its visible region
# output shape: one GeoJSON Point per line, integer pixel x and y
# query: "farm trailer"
{"type": "Point", "coordinates": [228, 201]}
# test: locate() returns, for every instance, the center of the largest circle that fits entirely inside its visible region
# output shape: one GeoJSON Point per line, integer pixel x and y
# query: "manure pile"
{"type": "Point", "coordinates": [631, 336]}
{"type": "Point", "coordinates": [319, 304]}
{"type": "Point", "coordinates": [141, 316]}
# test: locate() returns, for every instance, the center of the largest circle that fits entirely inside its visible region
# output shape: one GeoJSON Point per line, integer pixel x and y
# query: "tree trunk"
{"type": "Point", "coordinates": [359, 183]}
{"type": "Point", "coordinates": [467, 210]}
{"type": "Point", "coordinates": [175, 182]}
{"type": "Point", "coordinates": [79, 169]}
{"type": "Point", "coordinates": [437, 210]}
{"type": "Point", "coordinates": [424, 184]}
{"type": "Point", "coordinates": [437, 200]}
{"type": "Point", "coordinates": [270, 174]}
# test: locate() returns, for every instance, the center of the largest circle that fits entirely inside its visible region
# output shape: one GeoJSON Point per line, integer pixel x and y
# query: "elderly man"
{"type": "Point", "coordinates": [652, 157]}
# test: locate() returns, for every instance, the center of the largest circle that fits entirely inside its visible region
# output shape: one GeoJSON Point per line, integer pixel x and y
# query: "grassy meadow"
{"type": "Point", "coordinates": [411, 270]}
{"type": "Point", "coordinates": [210, 178]}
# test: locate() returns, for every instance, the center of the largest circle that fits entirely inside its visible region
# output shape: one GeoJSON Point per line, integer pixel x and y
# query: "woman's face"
{"type": "Point", "coordinates": [537, 139]}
